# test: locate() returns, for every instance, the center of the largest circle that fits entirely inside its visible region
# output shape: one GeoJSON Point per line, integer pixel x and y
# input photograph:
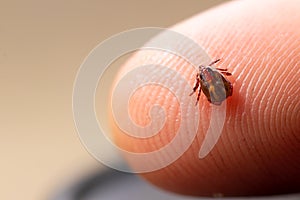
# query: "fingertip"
{"type": "Point", "coordinates": [257, 151]}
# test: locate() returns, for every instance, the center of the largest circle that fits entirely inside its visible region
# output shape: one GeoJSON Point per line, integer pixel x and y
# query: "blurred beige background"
{"type": "Point", "coordinates": [42, 44]}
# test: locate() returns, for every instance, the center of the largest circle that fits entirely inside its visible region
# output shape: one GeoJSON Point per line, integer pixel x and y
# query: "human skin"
{"type": "Point", "coordinates": [258, 152]}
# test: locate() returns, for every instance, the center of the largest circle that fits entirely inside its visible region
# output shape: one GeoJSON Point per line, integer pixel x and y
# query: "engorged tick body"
{"type": "Point", "coordinates": [215, 86]}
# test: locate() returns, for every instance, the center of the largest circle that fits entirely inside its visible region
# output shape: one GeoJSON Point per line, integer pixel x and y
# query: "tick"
{"type": "Point", "coordinates": [212, 81]}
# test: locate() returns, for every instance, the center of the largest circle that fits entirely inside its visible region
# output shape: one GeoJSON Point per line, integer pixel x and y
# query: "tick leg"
{"type": "Point", "coordinates": [196, 84]}
{"type": "Point", "coordinates": [220, 69]}
{"type": "Point", "coordinates": [198, 97]}
{"type": "Point", "coordinates": [226, 73]}
{"type": "Point", "coordinates": [214, 62]}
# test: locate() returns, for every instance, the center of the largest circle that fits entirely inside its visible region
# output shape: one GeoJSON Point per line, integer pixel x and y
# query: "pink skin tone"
{"type": "Point", "coordinates": [258, 151]}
